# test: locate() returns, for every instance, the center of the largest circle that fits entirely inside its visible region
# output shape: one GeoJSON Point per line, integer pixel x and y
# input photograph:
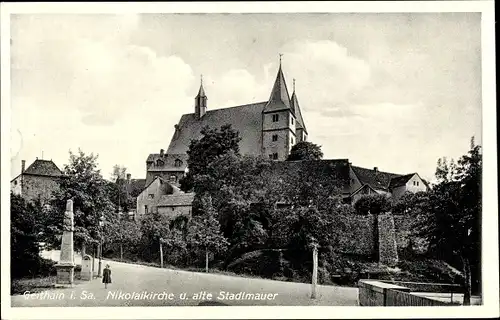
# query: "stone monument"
{"type": "Point", "coordinates": [86, 273]}
{"type": "Point", "coordinates": [66, 266]}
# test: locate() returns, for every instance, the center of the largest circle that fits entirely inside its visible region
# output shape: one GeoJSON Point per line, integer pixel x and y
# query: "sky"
{"type": "Point", "coordinates": [395, 91]}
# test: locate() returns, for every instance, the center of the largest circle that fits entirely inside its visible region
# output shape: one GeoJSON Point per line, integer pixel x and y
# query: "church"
{"type": "Point", "coordinates": [269, 128]}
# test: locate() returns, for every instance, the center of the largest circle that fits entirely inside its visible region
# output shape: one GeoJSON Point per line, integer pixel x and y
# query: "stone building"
{"type": "Point", "coordinates": [38, 181]}
{"type": "Point", "coordinates": [160, 196]}
{"type": "Point", "coordinates": [268, 128]}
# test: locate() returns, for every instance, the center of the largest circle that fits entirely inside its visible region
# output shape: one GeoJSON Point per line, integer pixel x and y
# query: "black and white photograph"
{"type": "Point", "coordinates": [243, 155]}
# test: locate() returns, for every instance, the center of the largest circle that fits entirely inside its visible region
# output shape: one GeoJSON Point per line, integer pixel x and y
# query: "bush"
{"type": "Point", "coordinates": [265, 263]}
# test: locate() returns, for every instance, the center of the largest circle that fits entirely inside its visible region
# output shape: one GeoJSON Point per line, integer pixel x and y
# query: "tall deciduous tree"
{"type": "Point", "coordinates": [91, 199]}
{"type": "Point", "coordinates": [213, 143]}
{"type": "Point", "coordinates": [204, 232]}
{"type": "Point", "coordinates": [305, 150]}
{"type": "Point", "coordinates": [452, 223]}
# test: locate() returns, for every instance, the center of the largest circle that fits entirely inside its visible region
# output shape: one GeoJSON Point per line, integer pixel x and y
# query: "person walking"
{"type": "Point", "coordinates": [106, 276]}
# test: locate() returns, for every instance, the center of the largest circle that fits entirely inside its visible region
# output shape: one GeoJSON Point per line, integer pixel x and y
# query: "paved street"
{"type": "Point", "coordinates": [136, 285]}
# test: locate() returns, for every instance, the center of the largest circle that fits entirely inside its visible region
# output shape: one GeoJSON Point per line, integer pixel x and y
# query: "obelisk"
{"type": "Point", "coordinates": [65, 267]}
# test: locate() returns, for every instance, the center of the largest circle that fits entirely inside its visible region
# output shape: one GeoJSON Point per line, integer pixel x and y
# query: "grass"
{"type": "Point", "coordinates": [20, 286]}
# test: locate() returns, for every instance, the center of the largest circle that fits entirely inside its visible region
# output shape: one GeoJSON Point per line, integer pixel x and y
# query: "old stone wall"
{"type": "Point", "coordinates": [34, 187]}
{"type": "Point", "coordinates": [358, 235]}
{"type": "Point", "coordinates": [388, 253]}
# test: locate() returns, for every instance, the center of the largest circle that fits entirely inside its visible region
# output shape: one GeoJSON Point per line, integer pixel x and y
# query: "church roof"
{"type": "Point", "coordinates": [247, 119]}
{"type": "Point", "coordinates": [43, 168]}
{"type": "Point", "coordinates": [201, 92]}
{"type": "Point", "coordinates": [374, 178]}
{"type": "Point", "coordinates": [295, 106]}
{"type": "Point", "coordinates": [279, 98]}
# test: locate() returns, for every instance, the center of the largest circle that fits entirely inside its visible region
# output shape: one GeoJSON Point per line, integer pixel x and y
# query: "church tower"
{"type": "Point", "coordinates": [300, 127]}
{"type": "Point", "coordinates": [200, 102]}
{"type": "Point", "coordinates": [278, 121]}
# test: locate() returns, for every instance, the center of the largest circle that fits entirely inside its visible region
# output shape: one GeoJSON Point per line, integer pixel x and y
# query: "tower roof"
{"type": "Point", "coordinates": [201, 92]}
{"type": "Point", "coordinates": [279, 94]}
{"type": "Point", "coordinates": [296, 109]}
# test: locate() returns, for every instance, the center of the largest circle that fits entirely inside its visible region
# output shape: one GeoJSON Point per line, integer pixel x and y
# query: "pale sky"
{"type": "Point", "coordinates": [395, 91]}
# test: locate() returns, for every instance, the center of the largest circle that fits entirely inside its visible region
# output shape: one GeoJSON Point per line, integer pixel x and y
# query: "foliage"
{"type": "Point", "coordinates": [117, 188]}
{"type": "Point", "coordinates": [452, 217]}
{"type": "Point", "coordinates": [24, 230]}
{"type": "Point", "coordinates": [91, 199]}
{"type": "Point", "coordinates": [203, 151]}
{"type": "Point", "coordinates": [372, 204]}
{"type": "Point", "coordinates": [204, 230]}
{"type": "Point", "coordinates": [305, 150]}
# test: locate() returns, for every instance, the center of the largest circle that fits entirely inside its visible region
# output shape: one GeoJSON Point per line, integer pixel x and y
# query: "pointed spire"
{"type": "Point", "coordinates": [201, 92]}
{"type": "Point", "coordinates": [279, 92]}
{"type": "Point", "coordinates": [294, 85]}
{"type": "Point", "coordinates": [296, 108]}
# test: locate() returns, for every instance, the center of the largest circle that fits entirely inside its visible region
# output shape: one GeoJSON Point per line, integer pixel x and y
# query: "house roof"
{"type": "Point", "coordinates": [364, 186]}
{"type": "Point", "coordinates": [334, 172]}
{"type": "Point", "coordinates": [247, 119]}
{"type": "Point", "coordinates": [135, 186]}
{"type": "Point", "coordinates": [43, 168]}
{"type": "Point", "coordinates": [375, 179]}
{"type": "Point", "coordinates": [168, 161]}
{"type": "Point", "coordinates": [179, 199]}
{"type": "Point", "coordinates": [400, 181]}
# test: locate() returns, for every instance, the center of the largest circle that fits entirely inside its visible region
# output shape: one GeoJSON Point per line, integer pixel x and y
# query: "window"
{"type": "Point", "coordinates": [291, 140]}
{"type": "Point", "coordinates": [151, 196]}
{"type": "Point", "coordinates": [159, 163]}
{"type": "Point", "coordinates": [275, 137]}
{"type": "Point", "coordinates": [145, 209]}
{"type": "Point", "coordinates": [173, 208]}
{"type": "Point", "coordinates": [276, 117]}
{"type": "Point", "coordinates": [173, 179]}
{"type": "Point", "coordinates": [178, 163]}
{"type": "Point", "coordinates": [292, 120]}
{"type": "Point", "coordinates": [271, 156]}
{"type": "Point", "coordinates": [275, 156]}
{"type": "Point", "coordinates": [417, 183]}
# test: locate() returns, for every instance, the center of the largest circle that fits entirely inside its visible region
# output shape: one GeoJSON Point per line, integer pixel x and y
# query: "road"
{"type": "Point", "coordinates": [136, 285]}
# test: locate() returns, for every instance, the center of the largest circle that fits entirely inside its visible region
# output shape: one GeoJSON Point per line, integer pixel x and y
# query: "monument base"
{"type": "Point", "coordinates": [65, 275]}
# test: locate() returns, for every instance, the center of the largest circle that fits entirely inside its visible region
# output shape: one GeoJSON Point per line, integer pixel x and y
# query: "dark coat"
{"type": "Point", "coordinates": [106, 275]}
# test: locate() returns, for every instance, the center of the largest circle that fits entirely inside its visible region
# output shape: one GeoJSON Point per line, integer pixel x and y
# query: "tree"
{"type": "Point", "coordinates": [203, 151]}
{"type": "Point", "coordinates": [24, 249]}
{"type": "Point", "coordinates": [372, 204]}
{"type": "Point", "coordinates": [305, 150]}
{"type": "Point", "coordinates": [119, 194]}
{"type": "Point", "coordinates": [452, 222]}
{"type": "Point", "coordinates": [125, 233]}
{"type": "Point", "coordinates": [204, 232]}
{"type": "Point", "coordinates": [83, 184]}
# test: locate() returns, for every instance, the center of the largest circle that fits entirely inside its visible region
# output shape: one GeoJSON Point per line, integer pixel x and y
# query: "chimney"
{"type": "Point", "coordinates": [162, 152]}
{"type": "Point", "coordinates": [23, 165]}
{"type": "Point", "coordinates": [128, 177]}
{"type": "Point", "coordinates": [375, 169]}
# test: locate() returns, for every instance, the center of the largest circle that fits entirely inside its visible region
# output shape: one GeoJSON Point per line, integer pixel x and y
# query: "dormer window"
{"type": "Point", "coordinates": [276, 117]}
{"type": "Point", "coordinates": [160, 163]}
{"type": "Point", "coordinates": [178, 163]}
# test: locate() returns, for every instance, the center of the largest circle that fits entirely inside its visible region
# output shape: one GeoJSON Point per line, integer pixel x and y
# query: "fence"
{"type": "Point", "coordinates": [378, 293]}
{"type": "Point", "coordinates": [395, 298]}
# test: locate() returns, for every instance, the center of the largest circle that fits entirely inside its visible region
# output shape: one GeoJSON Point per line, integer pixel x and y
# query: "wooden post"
{"type": "Point", "coordinates": [121, 251]}
{"type": "Point", "coordinates": [315, 271]}
{"type": "Point", "coordinates": [161, 253]}
{"type": "Point", "coordinates": [206, 260]}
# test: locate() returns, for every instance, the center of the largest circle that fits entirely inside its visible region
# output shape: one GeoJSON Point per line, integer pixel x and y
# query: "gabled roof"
{"type": "Point", "coordinates": [279, 98]}
{"type": "Point", "coordinates": [43, 168]}
{"type": "Point", "coordinates": [400, 181]}
{"type": "Point", "coordinates": [295, 106]}
{"type": "Point", "coordinates": [168, 161]}
{"type": "Point", "coordinates": [364, 186]}
{"type": "Point", "coordinates": [375, 179]}
{"type": "Point", "coordinates": [334, 172]}
{"type": "Point", "coordinates": [201, 92]}
{"type": "Point", "coordinates": [172, 200]}
{"type": "Point", "coordinates": [135, 186]}
{"type": "Point", "coordinates": [247, 119]}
